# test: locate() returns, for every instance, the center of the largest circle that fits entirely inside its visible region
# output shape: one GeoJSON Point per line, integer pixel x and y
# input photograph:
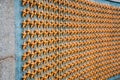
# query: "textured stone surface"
{"type": "Point", "coordinates": [7, 69]}
{"type": "Point", "coordinates": [6, 28]}
{"type": "Point", "coordinates": [7, 60]}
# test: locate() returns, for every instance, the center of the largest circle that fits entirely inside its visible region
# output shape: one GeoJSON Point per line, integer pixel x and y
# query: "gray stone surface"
{"type": "Point", "coordinates": [6, 28]}
{"type": "Point", "coordinates": [7, 42]}
{"type": "Point", "coordinates": [7, 69]}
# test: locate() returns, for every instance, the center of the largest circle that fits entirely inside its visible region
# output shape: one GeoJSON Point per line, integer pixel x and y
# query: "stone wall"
{"type": "Point", "coordinates": [7, 41]}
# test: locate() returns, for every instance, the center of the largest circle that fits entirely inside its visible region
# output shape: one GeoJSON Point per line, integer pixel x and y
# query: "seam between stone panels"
{"type": "Point", "coordinates": [8, 57]}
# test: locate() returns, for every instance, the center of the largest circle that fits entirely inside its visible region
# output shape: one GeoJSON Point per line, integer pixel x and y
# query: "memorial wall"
{"type": "Point", "coordinates": [59, 40]}
{"type": "Point", "coordinates": [69, 40]}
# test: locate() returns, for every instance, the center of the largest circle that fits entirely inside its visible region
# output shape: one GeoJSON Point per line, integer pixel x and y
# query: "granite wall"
{"type": "Point", "coordinates": [7, 40]}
